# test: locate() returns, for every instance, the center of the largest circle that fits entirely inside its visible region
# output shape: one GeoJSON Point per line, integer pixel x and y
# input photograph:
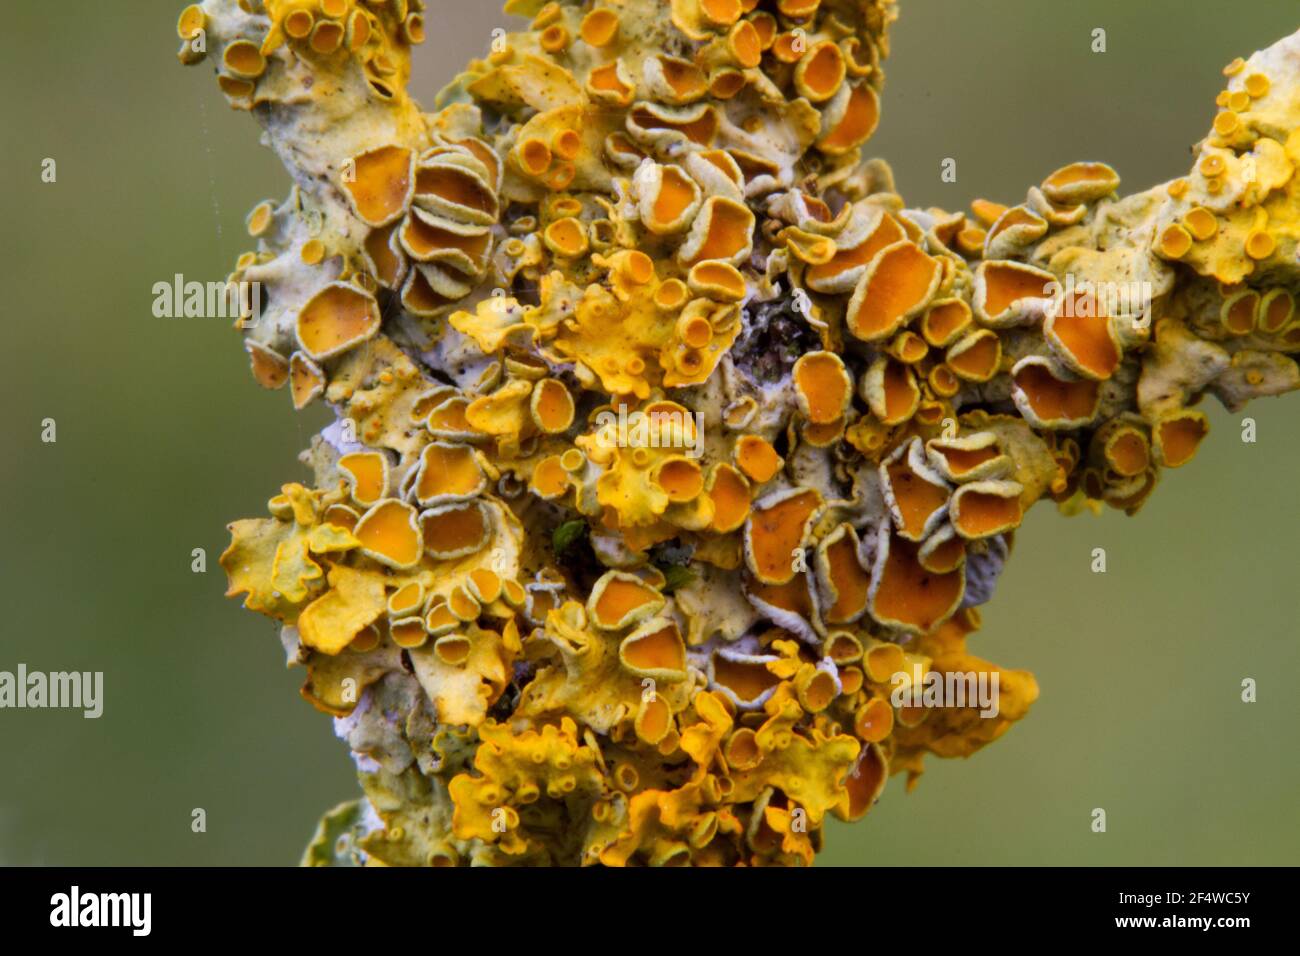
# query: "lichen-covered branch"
{"type": "Point", "coordinates": [674, 454]}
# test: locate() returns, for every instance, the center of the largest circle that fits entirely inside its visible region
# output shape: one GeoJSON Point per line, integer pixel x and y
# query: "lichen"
{"type": "Point", "coordinates": [668, 440]}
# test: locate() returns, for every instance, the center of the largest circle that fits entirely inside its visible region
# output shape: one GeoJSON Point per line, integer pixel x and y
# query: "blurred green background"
{"type": "Point", "coordinates": [163, 438]}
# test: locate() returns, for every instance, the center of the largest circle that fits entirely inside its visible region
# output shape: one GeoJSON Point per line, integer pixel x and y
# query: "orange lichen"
{"type": "Point", "coordinates": [915, 494]}
{"type": "Point", "coordinates": [842, 270]}
{"type": "Point", "coordinates": [336, 319]}
{"type": "Point", "coordinates": [655, 650]}
{"type": "Point", "coordinates": [891, 390]}
{"type": "Point", "coordinates": [843, 576]}
{"type": "Point", "coordinates": [984, 508]}
{"type": "Point", "coordinates": [969, 457]}
{"type": "Point", "coordinates": [906, 595]}
{"type": "Point", "coordinates": [975, 357]}
{"type": "Point", "coordinates": [823, 385]}
{"type": "Point", "coordinates": [367, 474]}
{"type": "Point", "coordinates": [775, 530]}
{"type": "Point", "coordinates": [380, 183]}
{"type": "Point", "coordinates": [898, 283]}
{"type": "Point", "coordinates": [729, 492]}
{"type": "Point", "coordinates": [1084, 337]}
{"type": "Point", "coordinates": [820, 72]}
{"type": "Point", "coordinates": [599, 27]}
{"type": "Point", "coordinates": [853, 114]}
{"type": "Point", "coordinates": [669, 438]}
{"type": "Point", "coordinates": [1009, 293]}
{"type": "Point", "coordinates": [270, 369]}
{"type": "Point", "coordinates": [944, 320]}
{"type": "Point", "coordinates": [723, 231]}
{"type": "Point", "coordinates": [618, 600]}
{"type": "Point", "coordinates": [1177, 436]}
{"type": "Point", "coordinates": [1052, 401]}
{"type": "Point", "coordinates": [447, 472]}
{"type": "Point", "coordinates": [390, 533]}
{"type": "Point", "coordinates": [1080, 183]}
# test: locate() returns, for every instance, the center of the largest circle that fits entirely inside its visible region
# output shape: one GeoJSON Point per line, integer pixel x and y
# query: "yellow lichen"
{"type": "Point", "coordinates": [669, 442]}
